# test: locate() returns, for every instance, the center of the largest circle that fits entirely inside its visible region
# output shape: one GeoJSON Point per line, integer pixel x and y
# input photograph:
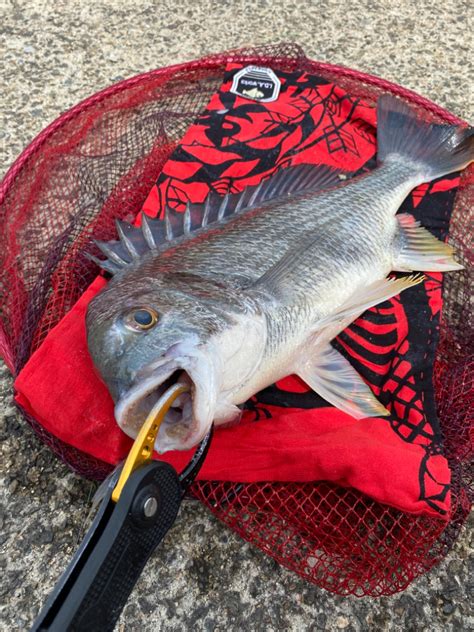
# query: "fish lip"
{"type": "Point", "coordinates": [139, 390]}
{"type": "Point", "coordinates": [148, 381]}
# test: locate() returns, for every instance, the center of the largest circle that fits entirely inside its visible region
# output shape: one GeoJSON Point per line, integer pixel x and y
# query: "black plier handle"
{"type": "Point", "coordinates": [93, 590]}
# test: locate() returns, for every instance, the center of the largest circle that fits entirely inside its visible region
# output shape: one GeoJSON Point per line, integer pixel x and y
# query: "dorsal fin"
{"type": "Point", "coordinates": [131, 238]}
{"type": "Point", "coordinates": [154, 234]}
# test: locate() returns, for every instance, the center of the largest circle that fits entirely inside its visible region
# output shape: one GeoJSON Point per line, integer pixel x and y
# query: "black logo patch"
{"type": "Point", "coordinates": [257, 83]}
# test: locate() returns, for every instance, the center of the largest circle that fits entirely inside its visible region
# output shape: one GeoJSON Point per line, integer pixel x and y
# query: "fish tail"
{"type": "Point", "coordinates": [434, 150]}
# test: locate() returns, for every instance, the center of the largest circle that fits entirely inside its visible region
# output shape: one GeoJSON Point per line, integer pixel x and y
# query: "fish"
{"type": "Point", "coordinates": [254, 93]}
{"type": "Point", "coordinates": [234, 294]}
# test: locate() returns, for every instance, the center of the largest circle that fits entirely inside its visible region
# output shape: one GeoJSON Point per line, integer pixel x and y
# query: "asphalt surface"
{"type": "Point", "coordinates": [203, 576]}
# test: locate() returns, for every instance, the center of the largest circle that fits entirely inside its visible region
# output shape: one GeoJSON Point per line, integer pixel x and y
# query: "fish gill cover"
{"type": "Point", "coordinates": [387, 504]}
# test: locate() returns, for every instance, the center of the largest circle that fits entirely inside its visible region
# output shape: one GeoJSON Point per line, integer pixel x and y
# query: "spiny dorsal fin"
{"type": "Point", "coordinates": [114, 251]}
{"type": "Point", "coordinates": [147, 230]}
{"type": "Point", "coordinates": [420, 250]}
{"type": "Point", "coordinates": [128, 235]}
{"type": "Point", "coordinates": [160, 234]}
{"type": "Point", "coordinates": [106, 265]}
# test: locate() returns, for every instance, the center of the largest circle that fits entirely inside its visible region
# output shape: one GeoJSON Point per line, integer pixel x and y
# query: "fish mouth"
{"type": "Point", "coordinates": [188, 419]}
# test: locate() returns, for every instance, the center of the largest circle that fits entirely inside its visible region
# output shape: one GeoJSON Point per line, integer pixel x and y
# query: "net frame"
{"type": "Point", "coordinates": [333, 536]}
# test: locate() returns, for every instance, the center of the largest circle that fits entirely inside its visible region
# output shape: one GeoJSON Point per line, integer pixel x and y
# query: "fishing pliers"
{"type": "Point", "coordinates": [140, 503]}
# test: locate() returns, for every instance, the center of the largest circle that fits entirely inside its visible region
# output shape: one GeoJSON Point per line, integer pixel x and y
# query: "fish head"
{"type": "Point", "coordinates": [144, 337]}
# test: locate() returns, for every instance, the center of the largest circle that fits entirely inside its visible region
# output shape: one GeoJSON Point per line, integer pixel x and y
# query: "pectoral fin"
{"type": "Point", "coordinates": [368, 297]}
{"type": "Point", "coordinates": [327, 371]}
{"type": "Point", "coordinates": [418, 249]}
{"type": "Point", "coordinates": [331, 376]}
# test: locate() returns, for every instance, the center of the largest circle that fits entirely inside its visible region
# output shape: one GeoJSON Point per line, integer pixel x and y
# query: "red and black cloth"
{"type": "Point", "coordinates": [287, 433]}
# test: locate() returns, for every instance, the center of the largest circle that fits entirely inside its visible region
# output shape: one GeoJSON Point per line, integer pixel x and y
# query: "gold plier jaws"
{"type": "Point", "coordinates": [142, 448]}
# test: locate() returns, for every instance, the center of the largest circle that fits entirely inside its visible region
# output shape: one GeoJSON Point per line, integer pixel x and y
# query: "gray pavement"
{"type": "Point", "coordinates": [204, 577]}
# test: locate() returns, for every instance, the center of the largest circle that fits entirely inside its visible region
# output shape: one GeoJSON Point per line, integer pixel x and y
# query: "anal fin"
{"type": "Point", "coordinates": [332, 377]}
{"type": "Point", "coordinates": [420, 250]}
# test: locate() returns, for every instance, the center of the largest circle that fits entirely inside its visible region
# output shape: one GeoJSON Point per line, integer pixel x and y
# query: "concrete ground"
{"type": "Point", "coordinates": [203, 576]}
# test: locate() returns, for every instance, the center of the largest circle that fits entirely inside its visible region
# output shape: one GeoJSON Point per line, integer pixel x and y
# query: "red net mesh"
{"type": "Point", "coordinates": [96, 163]}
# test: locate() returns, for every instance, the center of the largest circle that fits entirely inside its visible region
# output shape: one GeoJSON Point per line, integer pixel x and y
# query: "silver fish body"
{"type": "Point", "coordinates": [259, 292]}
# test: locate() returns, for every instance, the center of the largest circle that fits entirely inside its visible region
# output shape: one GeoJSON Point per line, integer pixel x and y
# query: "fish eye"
{"type": "Point", "coordinates": [141, 318]}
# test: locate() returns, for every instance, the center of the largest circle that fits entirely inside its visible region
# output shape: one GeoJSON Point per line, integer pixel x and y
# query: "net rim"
{"type": "Point", "coordinates": [231, 507]}
{"type": "Point", "coordinates": [209, 64]}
